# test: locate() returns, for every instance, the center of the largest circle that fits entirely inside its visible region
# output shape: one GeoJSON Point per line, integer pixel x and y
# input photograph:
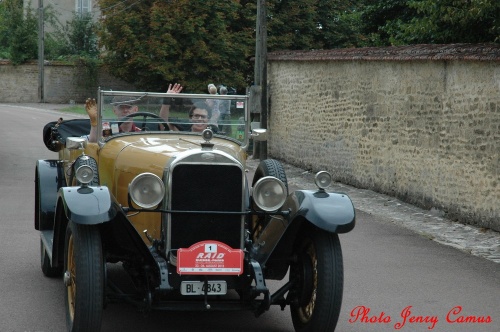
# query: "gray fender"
{"type": "Point", "coordinates": [48, 179]}
{"type": "Point", "coordinates": [332, 212]}
{"type": "Point", "coordinates": [87, 205]}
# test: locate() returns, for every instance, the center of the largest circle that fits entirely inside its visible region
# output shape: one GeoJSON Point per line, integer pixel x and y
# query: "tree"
{"type": "Point", "coordinates": [380, 20]}
{"type": "Point", "coordinates": [19, 32]}
{"type": "Point", "coordinates": [153, 43]}
{"type": "Point", "coordinates": [404, 22]}
{"type": "Point", "coordinates": [82, 35]}
{"type": "Point", "coordinates": [311, 24]}
{"type": "Point", "coordinates": [451, 21]}
{"type": "Point", "coordinates": [77, 39]}
{"type": "Point", "coordinates": [4, 35]}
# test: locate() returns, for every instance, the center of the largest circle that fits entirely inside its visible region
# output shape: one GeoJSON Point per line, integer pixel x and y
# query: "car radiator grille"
{"type": "Point", "coordinates": [199, 187]}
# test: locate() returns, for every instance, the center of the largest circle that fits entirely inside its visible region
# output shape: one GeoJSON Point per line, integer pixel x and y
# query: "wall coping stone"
{"type": "Point", "coordinates": [463, 52]}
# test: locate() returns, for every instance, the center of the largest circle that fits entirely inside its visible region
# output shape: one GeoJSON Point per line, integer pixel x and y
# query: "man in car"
{"type": "Point", "coordinates": [122, 106]}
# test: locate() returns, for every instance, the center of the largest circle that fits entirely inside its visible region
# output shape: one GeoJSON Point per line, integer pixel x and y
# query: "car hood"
{"type": "Point", "coordinates": [123, 157]}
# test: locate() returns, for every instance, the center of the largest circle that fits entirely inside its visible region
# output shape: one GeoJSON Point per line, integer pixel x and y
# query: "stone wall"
{"type": "Point", "coordinates": [62, 83]}
{"type": "Point", "coordinates": [421, 127]}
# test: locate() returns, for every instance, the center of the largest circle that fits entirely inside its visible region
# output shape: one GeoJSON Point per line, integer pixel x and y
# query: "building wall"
{"type": "Point", "coordinates": [62, 83]}
{"type": "Point", "coordinates": [425, 131]}
{"type": "Point", "coordinates": [65, 9]}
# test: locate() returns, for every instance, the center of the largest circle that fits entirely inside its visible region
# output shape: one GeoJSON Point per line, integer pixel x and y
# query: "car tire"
{"type": "Point", "coordinates": [267, 167]}
{"type": "Point", "coordinates": [270, 167]}
{"type": "Point", "coordinates": [47, 269]}
{"type": "Point", "coordinates": [318, 279]}
{"type": "Point", "coordinates": [84, 277]}
{"type": "Point", "coordinates": [92, 164]}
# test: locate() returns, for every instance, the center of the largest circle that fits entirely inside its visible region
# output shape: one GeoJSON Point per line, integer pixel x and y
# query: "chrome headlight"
{"type": "Point", "coordinates": [84, 174]}
{"type": "Point", "coordinates": [323, 179]}
{"type": "Point", "coordinates": [146, 190]}
{"type": "Point", "coordinates": [269, 193]}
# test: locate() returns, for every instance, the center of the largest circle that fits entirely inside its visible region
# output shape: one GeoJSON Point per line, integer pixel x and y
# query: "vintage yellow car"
{"type": "Point", "coordinates": [159, 188]}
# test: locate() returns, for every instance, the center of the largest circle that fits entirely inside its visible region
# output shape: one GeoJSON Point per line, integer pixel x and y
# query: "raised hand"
{"type": "Point", "coordinates": [176, 88]}
{"type": "Point", "coordinates": [91, 109]}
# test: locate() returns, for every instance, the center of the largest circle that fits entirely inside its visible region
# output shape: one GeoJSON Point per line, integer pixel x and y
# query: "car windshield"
{"type": "Point", "coordinates": [138, 112]}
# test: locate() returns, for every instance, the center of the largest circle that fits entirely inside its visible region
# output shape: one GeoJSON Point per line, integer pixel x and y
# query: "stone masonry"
{"type": "Point", "coordinates": [418, 123]}
{"type": "Point", "coordinates": [62, 83]}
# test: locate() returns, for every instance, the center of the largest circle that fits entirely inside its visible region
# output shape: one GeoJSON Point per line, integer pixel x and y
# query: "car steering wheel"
{"type": "Point", "coordinates": [145, 115]}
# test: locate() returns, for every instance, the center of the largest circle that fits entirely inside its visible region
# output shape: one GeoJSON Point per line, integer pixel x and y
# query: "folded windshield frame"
{"type": "Point", "coordinates": [131, 112]}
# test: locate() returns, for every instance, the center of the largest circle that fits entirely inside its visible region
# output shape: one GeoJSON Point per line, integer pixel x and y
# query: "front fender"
{"type": "Point", "coordinates": [332, 212]}
{"type": "Point", "coordinates": [87, 205]}
{"type": "Point", "coordinates": [48, 179]}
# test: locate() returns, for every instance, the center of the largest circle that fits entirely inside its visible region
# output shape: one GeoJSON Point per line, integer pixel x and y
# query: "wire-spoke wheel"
{"type": "Point", "coordinates": [83, 277]}
{"type": "Point", "coordinates": [318, 279]}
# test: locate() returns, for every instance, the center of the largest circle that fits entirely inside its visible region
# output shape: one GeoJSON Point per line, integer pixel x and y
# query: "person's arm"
{"type": "Point", "coordinates": [165, 108]}
{"type": "Point", "coordinates": [91, 109]}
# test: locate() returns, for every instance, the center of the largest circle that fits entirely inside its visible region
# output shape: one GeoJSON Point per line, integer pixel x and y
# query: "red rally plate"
{"type": "Point", "coordinates": [210, 257]}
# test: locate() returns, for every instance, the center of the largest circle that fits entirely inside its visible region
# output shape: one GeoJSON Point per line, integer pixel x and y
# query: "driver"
{"type": "Point", "coordinates": [122, 107]}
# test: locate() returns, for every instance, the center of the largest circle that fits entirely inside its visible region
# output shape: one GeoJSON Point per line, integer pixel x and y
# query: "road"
{"type": "Point", "coordinates": [394, 278]}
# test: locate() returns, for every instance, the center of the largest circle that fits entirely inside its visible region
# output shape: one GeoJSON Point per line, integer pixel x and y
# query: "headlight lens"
{"type": "Point", "coordinates": [146, 190]}
{"type": "Point", "coordinates": [84, 174]}
{"type": "Point", "coordinates": [269, 193]}
{"type": "Point", "coordinates": [323, 179]}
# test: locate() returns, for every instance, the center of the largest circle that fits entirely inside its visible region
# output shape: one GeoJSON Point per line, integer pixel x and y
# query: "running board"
{"type": "Point", "coordinates": [47, 238]}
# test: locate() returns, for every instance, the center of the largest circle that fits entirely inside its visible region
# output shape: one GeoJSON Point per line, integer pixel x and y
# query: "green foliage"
{"type": "Point", "coordinates": [380, 20]}
{"type": "Point", "coordinates": [75, 40]}
{"type": "Point", "coordinates": [153, 43]}
{"type": "Point", "coordinates": [404, 22]}
{"type": "Point", "coordinates": [194, 42]}
{"type": "Point", "coordinates": [82, 35]}
{"type": "Point", "coordinates": [452, 21]}
{"type": "Point", "coordinates": [18, 31]}
{"type": "Point", "coordinates": [312, 24]}
{"type": "Point", "coordinates": [4, 35]}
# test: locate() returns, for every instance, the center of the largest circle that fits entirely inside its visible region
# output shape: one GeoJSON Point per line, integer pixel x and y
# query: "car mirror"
{"type": "Point", "coordinates": [259, 134]}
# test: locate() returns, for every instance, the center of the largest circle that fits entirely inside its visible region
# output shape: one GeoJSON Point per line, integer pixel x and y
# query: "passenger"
{"type": "Point", "coordinates": [199, 116]}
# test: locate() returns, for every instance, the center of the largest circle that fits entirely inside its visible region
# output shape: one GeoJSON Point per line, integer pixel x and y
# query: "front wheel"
{"type": "Point", "coordinates": [318, 278]}
{"type": "Point", "coordinates": [83, 277]}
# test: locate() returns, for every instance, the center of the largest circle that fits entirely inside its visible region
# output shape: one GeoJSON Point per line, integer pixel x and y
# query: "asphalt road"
{"type": "Point", "coordinates": [394, 278]}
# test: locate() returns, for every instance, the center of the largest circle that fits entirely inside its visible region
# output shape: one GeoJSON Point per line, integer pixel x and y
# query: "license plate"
{"type": "Point", "coordinates": [198, 287]}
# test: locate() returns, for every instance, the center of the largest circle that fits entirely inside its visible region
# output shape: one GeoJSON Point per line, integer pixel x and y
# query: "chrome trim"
{"type": "Point", "coordinates": [167, 178]}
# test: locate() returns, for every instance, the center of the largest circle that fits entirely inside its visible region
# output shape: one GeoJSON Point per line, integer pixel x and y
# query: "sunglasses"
{"type": "Point", "coordinates": [199, 116]}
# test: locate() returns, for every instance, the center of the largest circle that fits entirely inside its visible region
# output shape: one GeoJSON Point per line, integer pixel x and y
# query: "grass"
{"type": "Point", "coordinates": [75, 109]}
